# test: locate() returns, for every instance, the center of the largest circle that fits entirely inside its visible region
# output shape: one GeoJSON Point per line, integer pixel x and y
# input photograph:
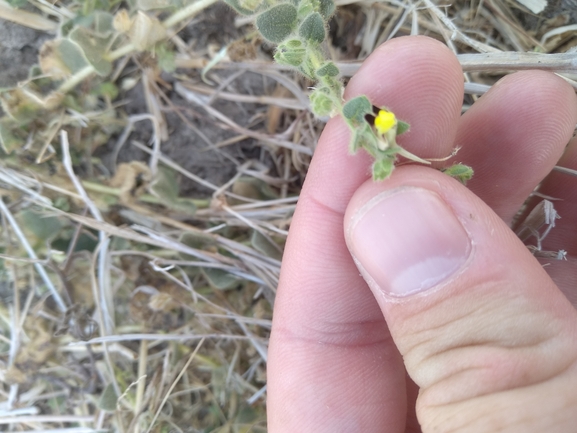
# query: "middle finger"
{"type": "Point", "coordinates": [513, 136]}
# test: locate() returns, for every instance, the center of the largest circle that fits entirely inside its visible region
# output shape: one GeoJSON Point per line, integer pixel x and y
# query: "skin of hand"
{"type": "Point", "coordinates": [409, 305]}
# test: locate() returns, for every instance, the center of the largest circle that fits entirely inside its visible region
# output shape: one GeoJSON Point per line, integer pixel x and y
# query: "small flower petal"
{"type": "Point", "coordinates": [384, 121]}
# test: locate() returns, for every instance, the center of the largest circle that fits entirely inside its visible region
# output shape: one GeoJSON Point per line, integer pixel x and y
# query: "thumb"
{"type": "Point", "coordinates": [483, 331]}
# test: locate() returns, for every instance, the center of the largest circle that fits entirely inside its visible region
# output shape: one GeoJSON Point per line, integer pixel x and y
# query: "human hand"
{"type": "Point", "coordinates": [484, 331]}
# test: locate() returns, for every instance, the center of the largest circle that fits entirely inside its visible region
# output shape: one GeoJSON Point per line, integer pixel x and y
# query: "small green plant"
{"type": "Point", "coordinates": [299, 28]}
{"type": "Point", "coordinates": [59, 93]}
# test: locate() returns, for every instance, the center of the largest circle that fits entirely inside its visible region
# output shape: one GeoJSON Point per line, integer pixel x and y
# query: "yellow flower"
{"type": "Point", "coordinates": [384, 121]}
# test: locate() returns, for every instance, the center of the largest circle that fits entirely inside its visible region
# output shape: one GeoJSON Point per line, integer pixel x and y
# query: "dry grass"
{"type": "Point", "coordinates": [128, 306]}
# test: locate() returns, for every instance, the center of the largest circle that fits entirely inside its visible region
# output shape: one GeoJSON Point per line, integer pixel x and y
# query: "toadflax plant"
{"type": "Point", "coordinates": [298, 27]}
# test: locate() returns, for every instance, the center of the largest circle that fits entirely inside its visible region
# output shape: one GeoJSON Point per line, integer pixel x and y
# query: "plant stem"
{"type": "Point", "coordinates": [187, 12]}
{"type": "Point", "coordinates": [122, 51]}
{"type": "Point", "coordinates": [76, 79]}
{"type": "Point", "coordinates": [317, 59]}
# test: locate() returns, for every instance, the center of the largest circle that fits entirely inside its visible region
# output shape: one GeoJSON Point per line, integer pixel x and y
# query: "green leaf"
{"type": "Point", "coordinates": [103, 24]}
{"type": "Point", "coordinates": [198, 241]}
{"type": "Point", "coordinates": [147, 5]}
{"type": "Point", "coordinates": [402, 127]}
{"type": "Point", "coordinates": [356, 109]}
{"type": "Point", "coordinates": [327, 8]}
{"type": "Point", "coordinates": [12, 137]}
{"type": "Point", "coordinates": [166, 58]}
{"type": "Point", "coordinates": [41, 226]}
{"type": "Point", "coordinates": [364, 137]}
{"type": "Point", "coordinates": [313, 28]}
{"type": "Point", "coordinates": [329, 69]}
{"type": "Point", "coordinates": [166, 188]}
{"type": "Point", "coordinates": [292, 53]}
{"type": "Point", "coordinates": [61, 202]}
{"type": "Point", "coordinates": [84, 242]}
{"type": "Point", "coordinates": [265, 246]}
{"type": "Point", "coordinates": [108, 399]}
{"type": "Point", "coordinates": [17, 3]}
{"type": "Point", "coordinates": [277, 23]}
{"type": "Point", "coordinates": [244, 7]}
{"type": "Point", "coordinates": [21, 104]}
{"type": "Point", "coordinates": [253, 188]}
{"type": "Point", "coordinates": [461, 172]}
{"type": "Point", "coordinates": [220, 279]}
{"type": "Point", "coordinates": [305, 8]}
{"type": "Point", "coordinates": [71, 55]}
{"type": "Point", "coordinates": [321, 102]}
{"type": "Point", "coordinates": [107, 89]}
{"type": "Point", "coordinates": [93, 49]}
{"type": "Point", "coordinates": [383, 168]}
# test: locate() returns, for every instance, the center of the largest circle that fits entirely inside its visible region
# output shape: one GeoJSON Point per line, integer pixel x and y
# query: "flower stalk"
{"type": "Point", "coordinates": [299, 28]}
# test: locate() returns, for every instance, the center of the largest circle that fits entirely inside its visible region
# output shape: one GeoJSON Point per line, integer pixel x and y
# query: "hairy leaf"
{"type": "Point", "coordinates": [313, 28]}
{"type": "Point", "coordinates": [383, 168]}
{"type": "Point", "coordinates": [329, 69]}
{"type": "Point", "coordinates": [244, 7]}
{"type": "Point", "coordinates": [292, 53]}
{"type": "Point", "coordinates": [277, 23]}
{"type": "Point", "coordinates": [321, 103]}
{"type": "Point", "coordinates": [93, 48]}
{"type": "Point", "coordinates": [356, 109]}
{"type": "Point", "coordinates": [327, 8]}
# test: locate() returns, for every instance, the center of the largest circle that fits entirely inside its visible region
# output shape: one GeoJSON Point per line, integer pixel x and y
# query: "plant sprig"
{"type": "Point", "coordinates": [299, 28]}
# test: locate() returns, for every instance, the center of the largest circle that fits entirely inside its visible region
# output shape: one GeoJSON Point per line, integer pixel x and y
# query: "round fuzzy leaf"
{"type": "Point", "coordinates": [93, 49]}
{"type": "Point", "coordinates": [313, 28]}
{"type": "Point", "coordinates": [321, 103]}
{"type": "Point", "coordinates": [329, 69]}
{"type": "Point", "coordinates": [356, 109]}
{"type": "Point", "coordinates": [277, 23]}
{"type": "Point", "coordinates": [461, 172]}
{"type": "Point", "coordinates": [242, 6]}
{"type": "Point", "coordinates": [292, 53]}
{"type": "Point", "coordinates": [305, 9]}
{"type": "Point", "coordinates": [383, 168]}
{"type": "Point", "coordinates": [326, 9]}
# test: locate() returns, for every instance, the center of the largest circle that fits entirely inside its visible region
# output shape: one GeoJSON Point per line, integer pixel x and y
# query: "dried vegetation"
{"type": "Point", "coordinates": [137, 291]}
